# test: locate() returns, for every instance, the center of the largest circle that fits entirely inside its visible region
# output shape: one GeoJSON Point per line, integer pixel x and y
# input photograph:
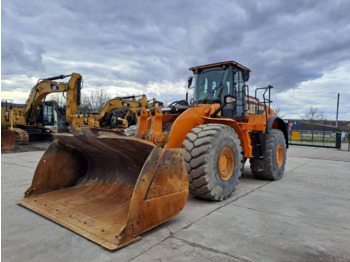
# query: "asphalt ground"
{"type": "Point", "coordinates": [303, 217]}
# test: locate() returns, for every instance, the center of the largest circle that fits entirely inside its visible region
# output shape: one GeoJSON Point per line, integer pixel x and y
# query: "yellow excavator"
{"type": "Point", "coordinates": [48, 86]}
{"type": "Point", "coordinates": [73, 96]}
{"type": "Point", "coordinates": [12, 118]}
{"type": "Point", "coordinates": [118, 113]}
{"type": "Point", "coordinates": [29, 118]}
{"type": "Point", "coordinates": [10, 112]}
{"type": "Point", "coordinates": [110, 188]}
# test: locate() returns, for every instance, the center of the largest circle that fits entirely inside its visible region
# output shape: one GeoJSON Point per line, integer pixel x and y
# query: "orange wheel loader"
{"type": "Point", "coordinates": [110, 188]}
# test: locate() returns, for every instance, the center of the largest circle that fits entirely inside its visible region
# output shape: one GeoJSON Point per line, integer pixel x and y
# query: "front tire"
{"type": "Point", "coordinates": [213, 160]}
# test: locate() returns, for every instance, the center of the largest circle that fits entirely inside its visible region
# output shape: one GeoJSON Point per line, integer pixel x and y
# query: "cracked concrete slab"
{"type": "Point", "coordinates": [173, 249]}
{"type": "Point", "coordinates": [254, 235]}
{"type": "Point", "coordinates": [319, 153]}
{"type": "Point", "coordinates": [22, 158]}
{"type": "Point", "coordinates": [196, 208]}
{"type": "Point", "coordinates": [303, 217]}
{"type": "Point", "coordinates": [18, 172]}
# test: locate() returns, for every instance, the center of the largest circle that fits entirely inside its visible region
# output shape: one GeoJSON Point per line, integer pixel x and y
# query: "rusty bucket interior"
{"type": "Point", "coordinates": [109, 189]}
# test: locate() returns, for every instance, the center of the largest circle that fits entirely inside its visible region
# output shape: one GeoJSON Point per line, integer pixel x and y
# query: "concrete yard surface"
{"type": "Point", "coordinates": [303, 217]}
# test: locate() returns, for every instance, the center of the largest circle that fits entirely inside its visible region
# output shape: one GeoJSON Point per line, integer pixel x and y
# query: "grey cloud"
{"type": "Point", "coordinates": [284, 43]}
{"type": "Point", "coordinates": [19, 58]}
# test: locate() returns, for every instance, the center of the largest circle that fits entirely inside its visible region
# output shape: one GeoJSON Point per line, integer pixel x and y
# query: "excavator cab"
{"type": "Point", "coordinates": [45, 114]}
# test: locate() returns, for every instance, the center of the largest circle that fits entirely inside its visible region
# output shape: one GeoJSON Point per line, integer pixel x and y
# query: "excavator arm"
{"type": "Point", "coordinates": [129, 103]}
{"type": "Point", "coordinates": [115, 103]}
{"type": "Point", "coordinates": [49, 85]}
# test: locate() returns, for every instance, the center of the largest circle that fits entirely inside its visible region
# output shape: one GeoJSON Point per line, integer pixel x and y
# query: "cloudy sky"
{"type": "Point", "coordinates": [302, 48]}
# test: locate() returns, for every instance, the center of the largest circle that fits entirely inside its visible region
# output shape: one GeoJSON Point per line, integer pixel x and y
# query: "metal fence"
{"type": "Point", "coordinates": [328, 139]}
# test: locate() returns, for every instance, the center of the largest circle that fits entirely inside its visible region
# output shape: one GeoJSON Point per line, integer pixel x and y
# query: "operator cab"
{"type": "Point", "coordinates": [45, 114]}
{"type": "Point", "coordinates": [222, 83]}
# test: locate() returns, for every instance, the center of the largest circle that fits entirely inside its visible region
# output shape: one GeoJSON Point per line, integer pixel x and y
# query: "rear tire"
{"type": "Point", "coordinates": [213, 160]}
{"type": "Point", "coordinates": [274, 162]}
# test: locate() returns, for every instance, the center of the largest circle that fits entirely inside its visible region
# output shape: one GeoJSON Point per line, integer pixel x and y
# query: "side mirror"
{"type": "Point", "coordinates": [190, 80]}
{"type": "Point", "coordinates": [245, 75]}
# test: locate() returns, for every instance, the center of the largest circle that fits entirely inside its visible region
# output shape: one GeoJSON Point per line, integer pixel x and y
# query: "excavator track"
{"type": "Point", "coordinates": [22, 137]}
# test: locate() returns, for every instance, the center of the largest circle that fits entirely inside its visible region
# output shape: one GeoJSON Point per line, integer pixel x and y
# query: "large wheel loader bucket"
{"type": "Point", "coordinates": [108, 189]}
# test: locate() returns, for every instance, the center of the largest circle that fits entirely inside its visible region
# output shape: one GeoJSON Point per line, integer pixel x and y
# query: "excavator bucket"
{"type": "Point", "coordinates": [108, 188]}
{"type": "Point", "coordinates": [8, 139]}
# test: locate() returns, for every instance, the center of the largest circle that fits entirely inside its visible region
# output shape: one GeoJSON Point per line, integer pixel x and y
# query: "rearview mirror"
{"type": "Point", "coordinates": [245, 75]}
{"type": "Point", "coordinates": [190, 80]}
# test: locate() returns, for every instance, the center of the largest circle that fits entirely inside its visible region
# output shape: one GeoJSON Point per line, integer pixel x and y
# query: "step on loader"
{"type": "Point", "coordinates": [111, 188]}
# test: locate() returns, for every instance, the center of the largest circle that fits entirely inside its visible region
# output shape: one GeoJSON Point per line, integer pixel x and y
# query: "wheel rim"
{"type": "Point", "coordinates": [226, 163]}
{"type": "Point", "coordinates": [279, 155]}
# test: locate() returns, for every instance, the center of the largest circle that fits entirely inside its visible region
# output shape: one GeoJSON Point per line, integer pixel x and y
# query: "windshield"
{"type": "Point", "coordinates": [212, 84]}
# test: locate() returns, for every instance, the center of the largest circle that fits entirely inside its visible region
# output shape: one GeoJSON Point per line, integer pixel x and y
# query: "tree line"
{"type": "Point", "coordinates": [92, 102]}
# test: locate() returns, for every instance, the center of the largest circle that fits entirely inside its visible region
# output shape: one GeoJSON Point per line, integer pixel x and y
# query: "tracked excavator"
{"type": "Point", "coordinates": [111, 188]}
{"type": "Point", "coordinates": [26, 121]}
{"type": "Point", "coordinates": [9, 114]}
{"type": "Point", "coordinates": [12, 117]}
{"type": "Point", "coordinates": [29, 118]}
{"type": "Point", "coordinates": [118, 113]}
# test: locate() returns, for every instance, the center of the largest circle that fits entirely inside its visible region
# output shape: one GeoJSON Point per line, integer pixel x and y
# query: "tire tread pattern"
{"type": "Point", "coordinates": [196, 149]}
{"type": "Point", "coordinates": [270, 170]}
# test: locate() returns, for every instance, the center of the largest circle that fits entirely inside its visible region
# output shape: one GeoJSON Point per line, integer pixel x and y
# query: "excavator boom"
{"type": "Point", "coordinates": [48, 86]}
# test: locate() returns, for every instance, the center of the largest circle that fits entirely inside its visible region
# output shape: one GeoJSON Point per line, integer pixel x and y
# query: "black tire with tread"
{"type": "Point", "coordinates": [201, 149]}
{"type": "Point", "coordinates": [270, 169]}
